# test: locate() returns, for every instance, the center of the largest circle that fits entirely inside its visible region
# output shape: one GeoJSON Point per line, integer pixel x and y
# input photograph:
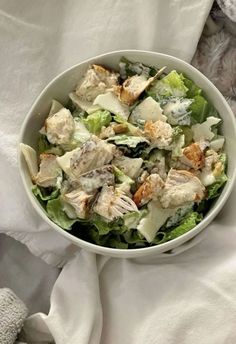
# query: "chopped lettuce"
{"type": "Point", "coordinates": [189, 222]}
{"type": "Point", "coordinates": [121, 177]}
{"type": "Point", "coordinates": [134, 238]}
{"type": "Point", "coordinates": [44, 146]}
{"type": "Point", "coordinates": [201, 109]}
{"type": "Point", "coordinates": [96, 120]}
{"type": "Point", "coordinates": [57, 215]}
{"type": "Point", "coordinates": [188, 135]}
{"type": "Point", "coordinates": [171, 85]}
{"type": "Point", "coordinates": [179, 215]}
{"type": "Point", "coordinates": [43, 194]}
{"type": "Point", "coordinates": [178, 142]}
{"type": "Point", "coordinates": [214, 189]}
{"type": "Point", "coordinates": [130, 141]}
{"type": "Point", "coordinates": [128, 68]}
{"type": "Point", "coordinates": [193, 89]}
{"type": "Point", "coordinates": [132, 219]}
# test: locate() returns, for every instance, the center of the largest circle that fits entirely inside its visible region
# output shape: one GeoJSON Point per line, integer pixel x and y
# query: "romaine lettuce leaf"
{"type": "Point", "coordinates": [193, 89]}
{"type": "Point", "coordinates": [178, 142]}
{"type": "Point", "coordinates": [171, 85]}
{"type": "Point", "coordinates": [201, 109]}
{"type": "Point", "coordinates": [96, 120]}
{"type": "Point", "coordinates": [133, 237]}
{"type": "Point", "coordinates": [121, 177]}
{"type": "Point", "coordinates": [130, 141]}
{"type": "Point", "coordinates": [43, 194]}
{"type": "Point", "coordinates": [57, 215]}
{"type": "Point", "coordinates": [44, 146]}
{"type": "Point", "coordinates": [179, 215]}
{"type": "Point", "coordinates": [128, 68]}
{"type": "Point", "coordinates": [214, 189]}
{"type": "Point", "coordinates": [132, 219]}
{"type": "Point", "coordinates": [189, 222]}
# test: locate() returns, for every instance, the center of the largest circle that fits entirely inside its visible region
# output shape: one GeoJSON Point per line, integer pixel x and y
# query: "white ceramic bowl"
{"type": "Point", "coordinates": [59, 88]}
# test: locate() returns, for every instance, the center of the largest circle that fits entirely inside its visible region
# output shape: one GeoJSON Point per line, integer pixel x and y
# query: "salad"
{"type": "Point", "coordinates": [134, 159]}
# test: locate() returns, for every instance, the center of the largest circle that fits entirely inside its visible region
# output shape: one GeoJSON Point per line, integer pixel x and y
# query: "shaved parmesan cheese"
{"type": "Point", "coordinates": [55, 107]}
{"type": "Point", "coordinates": [217, 144]}
{"type": "Point", "coordinates": [64, 162]}
{"type": "Point", "coordinates": [30, 158]}
{"type": "Point", "coordinates": [83, 104]}
{"type": "Point", "coordinates": [203, 131]}
{"type": "Point", "coordinates": [109, 101]}
{"type": "Point", "coordinates": [148, 109]}
{"type": "Point", "coordinates": [157, 216]}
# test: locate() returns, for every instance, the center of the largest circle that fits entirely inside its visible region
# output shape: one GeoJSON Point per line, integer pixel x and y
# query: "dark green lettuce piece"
{"type": "Point", "coordinates": [45, 194]}
{"type": "Point", "coordinates": [128, 68]}
{"type": "Point", "coordinates": [57, 215]}
{"type": "Point", "coordinates": [189, 222]}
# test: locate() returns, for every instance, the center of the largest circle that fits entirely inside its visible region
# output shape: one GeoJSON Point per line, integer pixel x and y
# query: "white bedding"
{"type": "Point", "coordinates": [188, 298]}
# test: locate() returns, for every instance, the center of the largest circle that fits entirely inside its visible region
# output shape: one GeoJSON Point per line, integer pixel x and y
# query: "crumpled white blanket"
{"type": "Point", "coordinates": [183, 299]}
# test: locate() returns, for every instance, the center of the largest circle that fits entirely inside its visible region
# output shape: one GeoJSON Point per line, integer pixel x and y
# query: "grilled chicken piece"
{"type": "Point", "coordinates": [60, 127]}
{"type": "Point", "coordinates": [96, 81]}
{"type": "Point", "coordinates": [49, 171]}
{"type": "Point", "coordinates": [193, 156]}
{"type": "Point", "coordinates": [132, 87]}
{"type": "Point", "coordinates": [150, 189]}
{"type": "Point", "coordinates": [113, 203]}
{"type": "Point", "coordinates": [79, 200]}
{"type": "Point", "coordinates": [95, 179]}
{"type": "Point", "coordinates": [180, 188]}
{"type": "Point", "coordinates": [159, 133]}
{"type": "Point", "coordinates": [93, 154]}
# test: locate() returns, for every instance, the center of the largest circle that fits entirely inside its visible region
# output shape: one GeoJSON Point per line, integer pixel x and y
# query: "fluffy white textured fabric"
{"type": "Point", "coordinates": [183, 299]}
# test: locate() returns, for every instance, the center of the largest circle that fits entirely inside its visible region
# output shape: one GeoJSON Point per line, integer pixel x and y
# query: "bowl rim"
{"type": "Point", "coordinates": [128, 253]}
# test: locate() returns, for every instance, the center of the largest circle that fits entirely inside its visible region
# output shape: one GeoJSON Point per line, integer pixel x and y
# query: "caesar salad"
{"type": "Point", "coordinates": [134, 159]}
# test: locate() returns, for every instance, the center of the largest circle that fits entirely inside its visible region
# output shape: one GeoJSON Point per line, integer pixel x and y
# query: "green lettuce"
{"type": "Point", "coordinates": [57, 215]}
{"type": "Point", "coordinates": [128, 68]}
{"type": "Point", "coordinates": [96, 120]}
{"type": "Point", "coordinates": [44, 146]}
{"type": "Point", "coordinates": [134, 238]}
{"type": "Point", "coordinates": [171, 85]}
{"type": "Point", "coordinates": [130, 141]}
{"type": "Point", "coordinates": [121, 177]}
{"type": "Point", "coordinates": [43, 194]}
{"type": "Point", "coordinates": [201, 109]}
{"type": "Point", "coordinates": [117, 243]}
{"type": "Point", "coordinates": [132, 219]}
{"type": "Point", "coordinates": [214, 189]}
{"type": "Point", "coordinates": [189, 222]}
{"type": "Point", "coordinates": [178, 142]}
{"type": "Point", "coordinates": [193, 89]}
